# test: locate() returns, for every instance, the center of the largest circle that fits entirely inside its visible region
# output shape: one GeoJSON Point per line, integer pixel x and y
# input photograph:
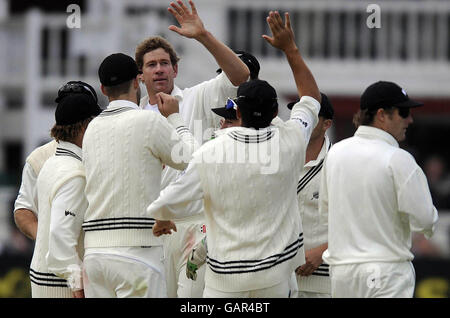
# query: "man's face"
{"type": "Point", "coordinates": [158, 72]}
{"type": "Point", "coordinates": [396, 125]}
{"type": "Point", "coordinates": [225, 123]}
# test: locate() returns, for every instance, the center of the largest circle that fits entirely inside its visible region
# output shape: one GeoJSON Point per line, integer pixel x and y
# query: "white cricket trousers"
{"type": "Point", "coordinates": [373, 280]}
{"type": "Point", "coordinates": [177, 248]}
{"type": "Point", "coordinates": [124, 276]}
{"type": "Point", "coordinates": [280, 290]}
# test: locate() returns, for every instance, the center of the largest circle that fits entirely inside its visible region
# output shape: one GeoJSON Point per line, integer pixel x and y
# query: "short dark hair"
{"type": "Point", "coordinates": [69, 132]}
{"type": "Point", "coordinates": [151, 44]}
{"type": "Point", "coordinates": [366, 116]}
{"type": "Point", "coordinates": [117, 90]}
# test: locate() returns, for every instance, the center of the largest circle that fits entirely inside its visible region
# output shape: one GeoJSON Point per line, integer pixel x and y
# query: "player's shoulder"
{"type": "Point", "coordinates": [401, 157]}
{"type": "Point", "coordinates": [48, 148]}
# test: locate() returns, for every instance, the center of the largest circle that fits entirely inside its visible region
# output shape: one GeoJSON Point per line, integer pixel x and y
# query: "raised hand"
{"type": "Point", "coordinates": [282, 34]}
{"type": "Point", "coordinates": [191, 26]}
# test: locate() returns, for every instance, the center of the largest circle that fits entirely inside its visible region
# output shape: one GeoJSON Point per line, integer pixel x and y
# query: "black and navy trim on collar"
{"type": "Point", "coordinates": [322, 270]}
{"type": "Point", "coordinates": [182, 130]}
{"type": "Point", "coordinates": [308, 176]}
{"type": "Point", "coordinates": [247, 266]}
{"type": "Point", "coordinates": [115, 111]}
{"type": "Point", "coordinates": [47, 279]}
{"type": "Point", "coordinates": [66, 152]}
{"type": "Point", "coordinates": [259, 137]}
{"type": "Point", "coordinates": [118, 224]}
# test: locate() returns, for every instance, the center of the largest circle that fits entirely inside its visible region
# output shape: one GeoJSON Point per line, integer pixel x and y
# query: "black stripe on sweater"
{"type": "Point", "coordinates": [118, 223]}
{"type": "Point", "coordinates": [246, 266]}
{"type": "Point", "coordinates": [309, 176]}
{"type": "Point", "coordinates": [66, 152]}
{"type": "Point", "coordinates": [110, 112]}
{"type": "Point", "coordinates": [47, 279]}
{"type": "Point", "coordinates": [251, 138]}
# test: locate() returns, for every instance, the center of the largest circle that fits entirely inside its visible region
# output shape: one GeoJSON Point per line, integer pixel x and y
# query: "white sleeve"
{"type": "Point", "coordinates": [67, 213]}
{"type": "Point", "coordinates": [27, 197]}
{"type": "Point", "coordinates": [323, 196]}
{"type": "Point", "coordinates": [304, 113]}
{"type": "Point", "coordinates": [173, 143]}
{"type": "Point", "coordinates": [215, 92]}
{"type": "Point", "coordinates": [185, 134]}
{"type": "Point", "coordinates": [173, 200]}
{"type": "Point", "coordinates": [413, 194]}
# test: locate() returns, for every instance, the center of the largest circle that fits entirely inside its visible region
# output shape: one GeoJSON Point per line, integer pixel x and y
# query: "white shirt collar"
{"type": "Point", "coordinates": [122, 103]}
{"type": "Point", "coordinates": [371, 132]}
{"type": "Point", "coordinates": [70, 146]}
{"type": "Point", "coordinates": [176, 92]}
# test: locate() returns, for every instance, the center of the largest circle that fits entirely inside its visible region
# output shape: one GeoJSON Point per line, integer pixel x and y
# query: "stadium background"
{"type": "Point", "coordinates": [39, 52]}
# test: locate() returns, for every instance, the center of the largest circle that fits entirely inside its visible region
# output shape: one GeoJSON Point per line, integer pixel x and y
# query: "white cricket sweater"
{"type": "Point", "coordinates": [57, 170]}
{"type": "Point", "coordinates": [27, 196]}
{"type": "Point", "coordinates": [38, 156]}
{"type": "Point", "coordinates": [195, 109]}
{"type": "Point", "coordinates": [375, 195]}
{"type": "Point", "coordinates": [315, 233]}
{"type": "Point", "coordinates": [123, 152]}
{"type": "Point", "coordinates": [255, 237]}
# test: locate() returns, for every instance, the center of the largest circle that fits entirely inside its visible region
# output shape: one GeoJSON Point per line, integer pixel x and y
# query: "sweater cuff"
{"type": "Point", "coordinates": [75, 280]}
{"type": "Point", "coordinates": [175, 120]}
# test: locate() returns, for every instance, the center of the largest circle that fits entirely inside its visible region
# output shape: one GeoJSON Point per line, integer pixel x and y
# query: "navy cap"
{"type": "Point", "coordinates": [257, 98]}
{"type": "Point", "coordinates": [76, 87]}
{"type": "Point", "coordinates": [228, 111]}
{"type": "Point", "coordinates": [249, 60]}
{"type": "Point", "coordinates": [75, 108]}
{"type": "Point", "coordinates": [116, 69]}
{"type": "Point", "coordinates": [384, 94]}
{"type": "Point", "coordinates": [326, 108]}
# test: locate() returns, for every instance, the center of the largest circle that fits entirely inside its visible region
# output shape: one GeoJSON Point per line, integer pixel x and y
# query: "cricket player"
{"type": "Point", "coordinates": [124, 150]}
{"type": "Point", "coordinates": [312, 278]}
{"type": "Point", "coordinates": [254, 242]}
{"type": "Point", "coordinates": [55, 269]}
{"type": "Point", "coordinates": [26, 204]}
{"type": "Point", "coordinates": [158, 62]}
{"type": "Point", "coordinates": [373, 195]}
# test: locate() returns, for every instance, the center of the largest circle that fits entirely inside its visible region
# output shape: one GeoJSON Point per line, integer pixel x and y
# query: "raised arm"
{"type": "Point", "coordinates": [283, 39]}
{"type": "Point", "coordinates": [191, 26]}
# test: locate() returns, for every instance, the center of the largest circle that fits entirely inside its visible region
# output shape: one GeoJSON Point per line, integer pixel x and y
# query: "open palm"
{"type": "Point", "coordinates": [282, 34]}
{"type": "Point", "coordinates": [191, 26]}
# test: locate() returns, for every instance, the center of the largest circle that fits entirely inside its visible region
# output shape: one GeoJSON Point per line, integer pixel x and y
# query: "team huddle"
{"type": "Point", "coordinates": [206, 192]}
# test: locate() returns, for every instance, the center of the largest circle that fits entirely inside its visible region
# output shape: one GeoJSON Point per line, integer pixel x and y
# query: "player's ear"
{"type": "Point", "coordinates": [102, 88]}
{"type": "Point", "coordinates": [238, 113]}
{"type": "Point", "coordinates": [175, 69]}
{"type": "Point", "coordinates": [327, 124]}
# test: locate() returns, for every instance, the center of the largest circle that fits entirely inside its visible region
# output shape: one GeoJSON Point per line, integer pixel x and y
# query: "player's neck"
{"type": "Point", "coordinates": [314, 147]}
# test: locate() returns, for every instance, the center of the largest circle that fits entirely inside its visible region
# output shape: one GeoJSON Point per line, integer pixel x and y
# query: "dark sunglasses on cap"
{"type": "Point", "coordinates": [403, 112]}
{"type": "Point", "coordinates": [74, 87]}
